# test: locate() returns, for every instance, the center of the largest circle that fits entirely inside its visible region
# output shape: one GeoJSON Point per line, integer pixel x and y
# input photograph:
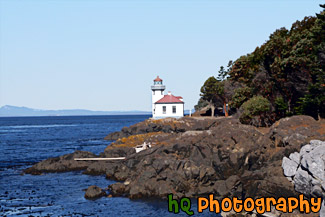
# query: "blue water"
{"type": "Point", "coordinates": [25, 141]}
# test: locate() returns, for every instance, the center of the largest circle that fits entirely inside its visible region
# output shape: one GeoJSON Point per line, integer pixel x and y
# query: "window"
{"type": "Point", "coordinates": [164, 109]}
{"type": "Point", "coordinates": [174, 109]}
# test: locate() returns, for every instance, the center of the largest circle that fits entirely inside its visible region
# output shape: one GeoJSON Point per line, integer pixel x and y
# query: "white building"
{"type": "Point", "coordinates": [165, 105]}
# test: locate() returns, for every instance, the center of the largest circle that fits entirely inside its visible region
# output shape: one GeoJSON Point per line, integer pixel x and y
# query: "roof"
{"type": "Point", "coordinates": [179, 97]}
{"type": "Point", "coordinates": [169, 99]}
{"type": "Point", "coordinates": [157, 79]}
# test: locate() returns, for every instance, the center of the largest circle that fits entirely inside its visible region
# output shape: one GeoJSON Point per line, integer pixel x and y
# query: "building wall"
{"type": "Point", "coordinates": [169, 110]}
{"type": "Point", "coordinates": [156, 95]}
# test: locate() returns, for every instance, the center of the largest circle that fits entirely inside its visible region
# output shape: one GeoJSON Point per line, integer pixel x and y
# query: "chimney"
{"type": "Point", "coordinates": [169, 93]}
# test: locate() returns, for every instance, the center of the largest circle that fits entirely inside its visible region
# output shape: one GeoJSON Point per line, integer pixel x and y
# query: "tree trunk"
{"type": "Point", "coordinates": [225, 108]}
{"type": "Point", "coordinates": [212, 110]}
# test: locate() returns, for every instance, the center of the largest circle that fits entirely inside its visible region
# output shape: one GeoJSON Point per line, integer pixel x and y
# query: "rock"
{"type": "Point", "coordinates": [322, 210]}
{"type": "Point", "coordinates": [63, 163]}
{"type": "Point", "coordinates": [310, 176]}
{"type": "Point", "coordinates": [100, 167]}
{"type": "Point", "coordinates": [289, 167]}
{"type": "Point", "coordinates": [295, 157]}
{"type": "Point", "coordinates": [198, 156]}
{"type": "Point", "coordinates": [314, 164]}
{"type": "Point", "coordinates": [316, 143]}
{"type": "Point", "coordinates": [220, 188]}
{"type": "Point", "coordinates": [117, 152]}
{"type": "Point", "coordinates": [94, 192]}
{"type": "Point", "coordinates": [166, 125]}
{"type": "Point", "coordinates": [316, 191]}
{"type": "Point", "coordinates": [117, 189]}
{"type": "Point", "coordinates": [302, 182]}
{"type": "Point", "coordinates": [305, 149]}
{"type": "Point", "coordinates": [296, 131]}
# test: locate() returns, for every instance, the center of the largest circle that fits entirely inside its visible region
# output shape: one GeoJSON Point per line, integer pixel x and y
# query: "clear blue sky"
{"type": "Point", "coordinates": [104, 55]}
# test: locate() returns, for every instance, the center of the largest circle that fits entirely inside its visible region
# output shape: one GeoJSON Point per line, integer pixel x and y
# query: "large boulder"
{"type": "Point", "coordinates": [296, 131]}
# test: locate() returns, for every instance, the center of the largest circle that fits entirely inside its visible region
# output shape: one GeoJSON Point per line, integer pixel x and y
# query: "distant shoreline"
{"type": "Point", "coordinates": [38, 116]}
{"type": "Point", "coordinates": [15, 111]}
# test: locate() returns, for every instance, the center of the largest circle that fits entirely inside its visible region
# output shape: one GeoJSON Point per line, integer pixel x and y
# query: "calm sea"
{"type": "Point", "coordinates": [25, 141]}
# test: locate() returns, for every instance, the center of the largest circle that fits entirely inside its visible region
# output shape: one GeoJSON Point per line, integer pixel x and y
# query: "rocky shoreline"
{"type": "Point", "coordinates": [197, 156]}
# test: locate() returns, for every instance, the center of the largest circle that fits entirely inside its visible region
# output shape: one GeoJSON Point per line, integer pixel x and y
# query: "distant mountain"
{"type": "Point", "coordinates": [14, 111]}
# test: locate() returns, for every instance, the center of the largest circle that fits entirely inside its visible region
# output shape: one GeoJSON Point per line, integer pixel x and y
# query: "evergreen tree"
{"type": "Point", "coordinates": [208, 92]}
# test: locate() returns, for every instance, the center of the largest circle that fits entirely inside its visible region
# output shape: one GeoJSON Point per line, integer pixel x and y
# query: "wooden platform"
{"type": "Point", "coordinates": [115, 158]}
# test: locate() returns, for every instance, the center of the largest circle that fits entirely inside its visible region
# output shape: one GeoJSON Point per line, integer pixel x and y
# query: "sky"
{"type": "Point", "coordinates": [104, 55]}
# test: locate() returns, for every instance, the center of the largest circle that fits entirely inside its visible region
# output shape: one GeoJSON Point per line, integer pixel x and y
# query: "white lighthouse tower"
{"type": "Point", "coordinates": [157, 92]}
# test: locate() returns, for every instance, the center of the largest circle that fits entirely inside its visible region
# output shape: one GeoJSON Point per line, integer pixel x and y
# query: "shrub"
{"type": "Point", "coordinates": [254, 111]}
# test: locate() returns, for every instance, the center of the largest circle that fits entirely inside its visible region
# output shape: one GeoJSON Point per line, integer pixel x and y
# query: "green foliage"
{"type": "Point", "coordinates": [293, 63]}
{"type": "Point", "coordinates": [313, 103]}
{"type": "Point", "coordinates": [209, 90]}
{"type": "Point", "coordinates": [212, 90]}
{"type": "Point", "coordinates": [290, 64]}
{"type": "Point", "coordinates": [220, 87]}
{"type": "Point", "coordinates": [256, 106]}
{"type": "Point", "coordinates": [201, 104]}
{"type": "Point", "coordinates": [223, 74]}
{"type": "Point", "coordinates": [240, 96]}
{"type": "Point", "coordinates": [281, 106]}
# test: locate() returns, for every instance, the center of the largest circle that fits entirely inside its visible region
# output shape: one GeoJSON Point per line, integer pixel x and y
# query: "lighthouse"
{"type": "Point", "coordinates": [157, 92]}
{"type": "Point", "coordinates": [165, 105]}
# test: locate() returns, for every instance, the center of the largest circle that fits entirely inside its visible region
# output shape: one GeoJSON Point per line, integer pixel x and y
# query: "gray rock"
{"type": "Point", "coordinates": [309, 178]}
{"type": "Point", "coordinates": [289, 167]}
{"type": "Point", "coordinates": [314, 162]}
{"type": "Point", "coordinates": [317, 191]}
{"type": "Point", "coordinates": [322, 210]}
{"type": "Point", "coordinates": [315, 143]}
{"type": "Point", "coordinates": [305, 149]}
{"type": "Point", "coordinates": [295, 157]}
{"type": "Point", "coordinates": [316, 182]}
{"type": "Point", "coordinates": [303, 182]}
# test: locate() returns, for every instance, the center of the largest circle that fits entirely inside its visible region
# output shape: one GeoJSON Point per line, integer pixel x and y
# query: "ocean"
{"type": "Point", "coordinates": [25, 141]}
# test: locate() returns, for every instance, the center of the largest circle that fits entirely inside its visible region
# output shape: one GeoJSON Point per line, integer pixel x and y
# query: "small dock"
{"type": "Point", "coordinates": [114, 158]}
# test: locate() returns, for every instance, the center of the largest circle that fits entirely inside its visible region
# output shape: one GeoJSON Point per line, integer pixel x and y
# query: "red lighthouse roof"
{"type": "Point", "coordinates": [158, 79]}
{"type": "Point", "coordinates": [169, 99]}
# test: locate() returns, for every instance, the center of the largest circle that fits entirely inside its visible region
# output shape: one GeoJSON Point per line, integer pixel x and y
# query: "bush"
{"type": "Point", "coordinates": [254, 112]}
